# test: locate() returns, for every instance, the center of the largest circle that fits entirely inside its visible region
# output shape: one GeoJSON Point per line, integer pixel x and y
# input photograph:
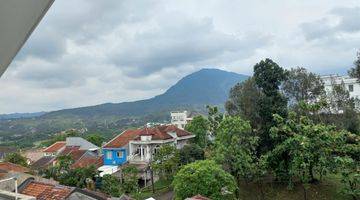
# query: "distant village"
{"type": "Point", "coordinates": [135, 147]}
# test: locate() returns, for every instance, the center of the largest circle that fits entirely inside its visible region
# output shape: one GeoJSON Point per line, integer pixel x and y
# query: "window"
{"type": "Point", "coordinates": [109, 155]}
{"type": "Point", "coordinates": [119, 154]}
{"type": "Point", "coordinates": [351, 88]}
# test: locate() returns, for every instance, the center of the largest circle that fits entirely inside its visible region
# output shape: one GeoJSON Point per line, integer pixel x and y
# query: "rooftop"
{"type": "Point", "coordinates": [157, 133]}
{"type": "Point", "coordinates": [55, 147]}
{"type": "Point", "coordinates": [45, 191]}
{"type": "Point", "coordinates": [11, 167]}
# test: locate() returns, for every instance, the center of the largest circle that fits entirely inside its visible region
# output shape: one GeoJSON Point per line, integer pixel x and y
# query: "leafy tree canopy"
{"type": "Point", "coordinates": [199, 126]}
{"type": "Point", "coordinates": [96, 139]}
{"type": "Point", "coordinates": [191, 153]}
{"type": "Point", "coordinates": [16, 158]}
{"type": "Point", "coordinates": [205, 178]}
{"type": "Point", "coordinates": [166, 161]}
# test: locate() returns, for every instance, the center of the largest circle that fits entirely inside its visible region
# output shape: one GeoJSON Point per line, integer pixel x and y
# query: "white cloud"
{"type": "Point", "coordinates": [90, 52]}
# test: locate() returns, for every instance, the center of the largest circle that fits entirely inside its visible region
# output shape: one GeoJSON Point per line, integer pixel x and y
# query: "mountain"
{"type": "Point", "coordinates": [21, 115]}
{"type": "Point", "coordinates": [204, 87]}
{"type": "Point", "coordinates": [192, 93]}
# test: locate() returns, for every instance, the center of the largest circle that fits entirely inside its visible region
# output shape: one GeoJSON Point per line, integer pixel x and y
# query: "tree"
{"type": "Point", "coordinates": [77, 177]}
{"type": "Point", "coordinates": [130, 179]}
{"type": "Point", "coordinates": [243, 101]}
{"type": "Point", "coordinates": [64, 162]}
{"type": "Point", "coordinates": [16, 158]}
{"type": "Point", "coordinates": [191, 153]}
{"type": "Point", "coordinates": [166, 161]}
{"type": "Point", "coordinates": [355, 71]}
{"type": "Point", "coordinates": [311, 146]}
{"type": "Point", "coordinates": [268, 77]}
{"type": "Point", "coordinates": [214, 118]}
{"type": "Point", "coordinates": [302, 85]}
{"type": "Point", "coordinates": [205, 178]}
{"type": "Point", "coordinates": [111, 186]}
{"type": "Point", "coordinates": [96, 139]}
{"type": "Point", "coordinates": [235, 149]}
{"type": "Point", "coordinates": [350, 173]}
{"type": "Point", "coordinates": [199, 126]}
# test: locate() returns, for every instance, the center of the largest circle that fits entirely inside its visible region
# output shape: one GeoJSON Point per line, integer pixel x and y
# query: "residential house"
{"type": "Point", "coordinates": [138, 146]}
{"type": "Point", "coordinates": [82, 152]}
{"type": "Point", "coordinates": [46, 191]}
{"type": "Point", "coordinates": [9, 170]}
{"type": "Point", "coordinates": [54, 149]}
{"type": "Point", "coordinates": [180, 118]}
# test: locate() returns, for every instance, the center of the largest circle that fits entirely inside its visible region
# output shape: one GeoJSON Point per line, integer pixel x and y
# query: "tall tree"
{"type": "Point", "coordinates": [130, 179]}
{"type": "Point", "coordinates": [311, 146]}
{"type": "Point", "coordinates": [205, 178]}
{"type": "Point", "coordinates": [111, 186]}
{"type": "Point", "coordinates": [302, 85]}
{"type": "Point", "coordinates": [235, 149]}
{"type": "Point", "coordinates": [166, 161]}
{"type": "Point", "coordinates": [243, 101]}
{"type": "Point", "coordinates": [355, 71]}
{"type": "Point", "coordinates": [191, 153]}
{"type": "Point", "coordinates": [214, 118]}
{"type": "Point", "coordinates": [268, 77]}
{"type": "Point", "coordinates": [199, 126]}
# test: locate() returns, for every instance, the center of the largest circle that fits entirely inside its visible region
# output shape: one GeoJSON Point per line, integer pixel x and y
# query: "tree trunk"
{"type": "Point", "coordinates": [305, 193]}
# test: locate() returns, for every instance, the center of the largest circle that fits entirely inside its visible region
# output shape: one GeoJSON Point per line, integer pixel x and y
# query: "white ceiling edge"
{"type": "Point", "coordinates": [18, 19]}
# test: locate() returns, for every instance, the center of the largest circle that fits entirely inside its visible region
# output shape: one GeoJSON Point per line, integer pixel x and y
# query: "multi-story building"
{"type": "Point", "coordinates": [352, 85]}
{"type": "Point", "coordinates": [180, 118]}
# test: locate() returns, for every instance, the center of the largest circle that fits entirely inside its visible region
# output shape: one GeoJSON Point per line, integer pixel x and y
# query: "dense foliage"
{"type": "Point", "coordinates": [166, 161]}
{"type": "Point", "coordinates": [191, 153]}
{"type": "Point", "coordinates": [96, 139]}
{"type": "Point", "coordinates": [16, 158]}
{"type": "Point", "coordinates": [199, 126]}
{"type": "Point", "coordinates": [205, 178]}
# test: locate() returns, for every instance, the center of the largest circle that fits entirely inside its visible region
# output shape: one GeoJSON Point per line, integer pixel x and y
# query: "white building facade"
{"type": "Point", "coordinates": [180, 119]}
{"type": "Point", "coordinates": [352, 85]}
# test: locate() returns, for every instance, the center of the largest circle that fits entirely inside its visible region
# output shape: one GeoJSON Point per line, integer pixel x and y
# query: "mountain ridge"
{"type": "Point", "coordinates": [213, 84]}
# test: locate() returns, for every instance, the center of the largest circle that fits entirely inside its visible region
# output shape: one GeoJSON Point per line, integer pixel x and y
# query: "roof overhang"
{"type": "Point", "coordinates": [18, 19]}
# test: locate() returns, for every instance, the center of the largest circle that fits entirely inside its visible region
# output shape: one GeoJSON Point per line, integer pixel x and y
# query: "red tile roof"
{"type": "Point", "coordinates": [7, 166]}
{"type": "Point", "coordinates": [122, 139]}
{"type": "Point", "coordinates": [43, 162]}
{"type": "Point", "coordinates": [157, 133]}
{"type": "Point", "coordinates": [69, 149]}
{"type": "Point", "coordinates": [87, 160]}
{"type": "Point", "coordinates": [46, 191]}
{"type": "Point", "coordinates": [55, 147]}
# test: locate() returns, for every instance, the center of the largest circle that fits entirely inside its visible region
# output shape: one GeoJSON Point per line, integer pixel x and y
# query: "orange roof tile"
{"type": "Point", "coordinates": [55, 147]}
{"type": "Point", "coordinates": [7, 166]}
{"type": "Point", "coordinates": [46, 191]}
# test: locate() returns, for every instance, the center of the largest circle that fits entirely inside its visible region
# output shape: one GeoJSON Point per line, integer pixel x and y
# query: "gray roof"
{"type": "Point", "coordinates": [81, 142]}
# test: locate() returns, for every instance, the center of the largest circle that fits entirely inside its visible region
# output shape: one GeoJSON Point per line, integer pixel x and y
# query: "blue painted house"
{"type": "Point", "coordinates": [114, 156]}
{"type": "Point", "coordinates": [116, 150]}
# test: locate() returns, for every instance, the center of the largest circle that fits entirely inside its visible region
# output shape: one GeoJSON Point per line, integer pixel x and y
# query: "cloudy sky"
{"type": "Point", "coordinates": [87, 52]}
